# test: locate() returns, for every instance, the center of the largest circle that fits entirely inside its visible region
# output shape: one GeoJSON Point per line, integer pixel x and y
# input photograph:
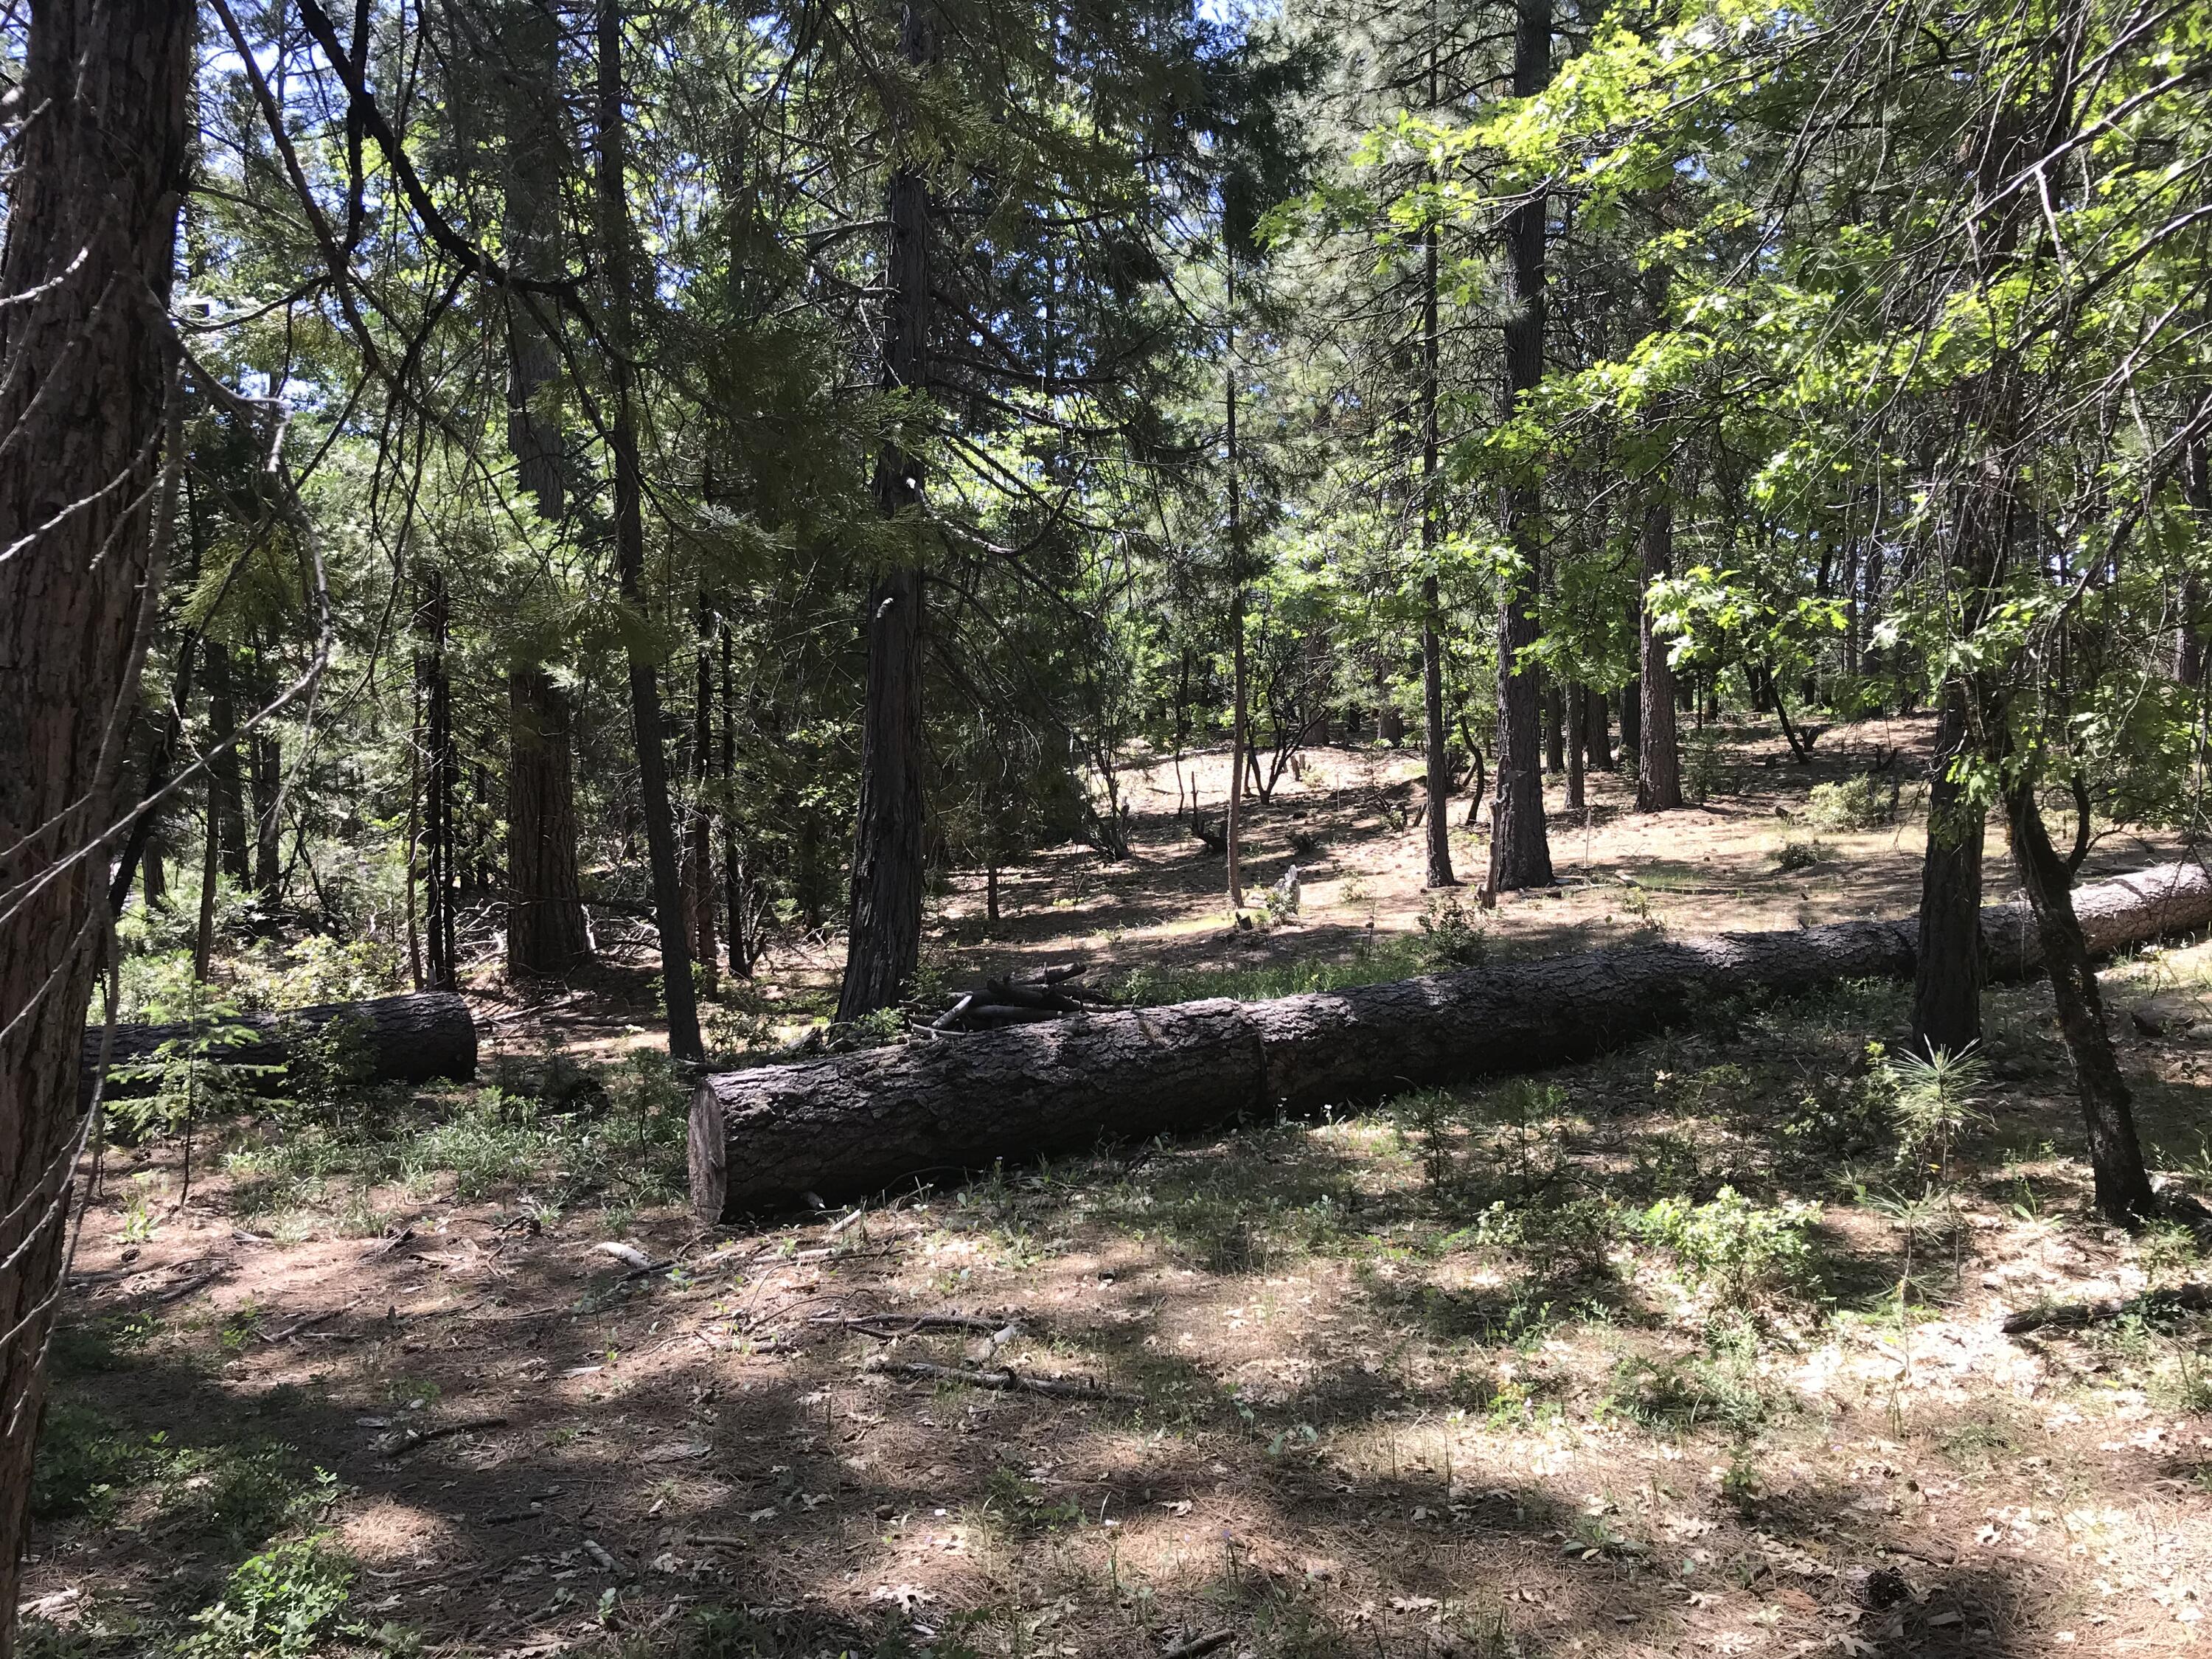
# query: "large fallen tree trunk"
{"type": "Point", "coordinates": [857, 1123]}
{"type": "Point", "coordinates": [411, 1039]}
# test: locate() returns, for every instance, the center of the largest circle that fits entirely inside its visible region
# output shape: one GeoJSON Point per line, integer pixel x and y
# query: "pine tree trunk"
{"type": "Point", "coordinates": [2189, 653]}
{"type": "Point", "coordinates": [1434, 747]}
{"type": "Point", "coordinates": [860, 1123]}
{"type": "Point", "coordinates": [1947, 990]}
{"type": "Point", "coordinates": [265, 780]}
{"type": "Point", "coordinates": [2122, 1186]}
{"type": "Point", "coordinates": [546, 932]}
{"type": "Point", "coordinates": [223, 768]}
{"type": "Point", "coordinates": [617, 260]}
{"type": "Point", "coordinates": [1577, 717]}
{"type": "Point", "coordinates": [1520, 849]}
{"type": "Point", "coordinates": [96, 166]}
{"type": "Point", "coordinates": [1597, 736]}
{"type": "Point", "coordinates": [699, 854]}
{"type": "Point", "coordinates": [883, 935]}
{"type": "Point", "coordinates": [1658, 751]}
{"type": "Point", "coordinates": [440, 773]}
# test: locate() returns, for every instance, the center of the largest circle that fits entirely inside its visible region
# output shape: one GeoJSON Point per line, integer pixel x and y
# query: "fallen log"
{"type": "Point", "coordinates": [410, 1039]}
{"type": "Point", "coordinates": [858, 1123]}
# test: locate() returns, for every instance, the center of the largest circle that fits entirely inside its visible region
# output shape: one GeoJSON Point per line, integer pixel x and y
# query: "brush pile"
{"type": "Point", "coordinates": [1023, 999]}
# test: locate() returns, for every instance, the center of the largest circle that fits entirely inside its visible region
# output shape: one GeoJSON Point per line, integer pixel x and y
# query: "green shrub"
{"type": "Point", "coordinates": [1799, 856]}
{"type": "Point", "coordinates": [1731, 1245]}
{"type": "Point", "coordinates": [1868, 801]}
{"type": "Point", "coordinates": [278, 1605]}
{"type": "Point", "coordinates": [1451, 938]}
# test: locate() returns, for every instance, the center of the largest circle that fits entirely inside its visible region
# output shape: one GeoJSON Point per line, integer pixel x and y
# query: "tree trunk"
{"type": "Point", "coordinates": [1946, 991]}
{"type": "Point", "coordinates": [884, 936]}
{"type": "Point", "coordinates": [1438, 761]}
{"type": "Point", "coordinates": [1577, 698]}
{"type": "Point", "coordinates": [1520, 850]}
{"type": "Point", "coordinates": [265, 781]}
{"type": "Point", "coordinates": [699, 854]}
{"type": "Point", "coordinates": [1658, 751]}
{"type": "Point", "coordinates": [546, 932]}
{"type": "Point", "coordinates": [1632, 715]}
{"type": "Point", "coordinates": [223, 768]}
{"type": "Point", "coordinates": [2123, 1190]}
{"type": "Point", "coordinates": [2188, 645]}
{"type": "Point", "coordinates": [1597, 736]}
{"type": "Point", "coordinates": [410, 1039]}
{"type": "Point", "coordinates": [858, 1124]}
{"type": "Point", "coordinates": [1554, 705]}
{"type": "Point", "coordinates": [441, 764]}
{"type": "Point", "coordinates": [96, 166]}
{"type": "Point", "coordinates": [616, 259]}
{"type": "Point", "coordinates": [1240, 733]}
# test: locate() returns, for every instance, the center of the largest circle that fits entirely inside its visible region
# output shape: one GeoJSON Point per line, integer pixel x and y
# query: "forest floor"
{"type": "Point", "coordinates": [1667, 1352]}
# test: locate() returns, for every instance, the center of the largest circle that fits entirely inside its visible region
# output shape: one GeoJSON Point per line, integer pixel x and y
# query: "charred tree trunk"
{"type": "Point", "coordinates": [97, 166]}
{"type": "Point", "coordinates": [545, 931]}
{"type": "Point", "coordinates": [1631, 731]}
{"type": "Point", "coordinates": [617, 258]}
{"type": "Point", "coordinates": [411, 1039]}
{"type": "Point", "coordinates": [2123, 1190]}
{"type": "Point", "coordinates": [857, 1124]}
{"type": "Point", "coordinates": [883, 936]}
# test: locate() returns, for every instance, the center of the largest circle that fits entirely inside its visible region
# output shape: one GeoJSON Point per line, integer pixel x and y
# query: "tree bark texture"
{"type": "Point", "coordinates": [861, 1122]}
{"type": "Point", "coordinates": [1520, 849]}
{"type": "Point", "coordinates": [1946, 991]}
{"type": "Point", "coordinates": [98, 167]}
{"type": "Point", "coordinates": [2122, 1186]}
{"type": "Point", "coordinates": [1658, 751]}
{"type": "Point", "coordinates": [546, 932]}
{"type": "Point", "coordinates": [883, 943]}
{"type": "Point", "coordinates": [440, 766]}
{"type": "Point", "coordinates": [618, 257]}
{"type": "Point", "coordinates": [1437, 761]}
{"type": "Point", "coordinates": [223, 771]}
{"type": "Point", "coordinates": [410, 1039]}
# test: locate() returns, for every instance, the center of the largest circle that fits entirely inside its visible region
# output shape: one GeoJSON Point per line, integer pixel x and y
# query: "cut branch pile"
{"type": "Point", "coordinates": [1024, 1000]}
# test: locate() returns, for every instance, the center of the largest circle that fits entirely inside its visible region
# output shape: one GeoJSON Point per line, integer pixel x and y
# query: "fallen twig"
{"type": "Point", "coordinates": [888, 1325]}
{"type": "Point", "coordinates": [2182, 1298]}
{"type": "Point", "coordinates": [1008, 1379]}
{"type": "Point", "coordinates": [1198, 1644]}
{"type": "Point", "coordinates": [409, 1440]}
{"type": "Point", "coordinates": [198, 1281]}
{"type": "Point", "coordinates": [308, 1323]}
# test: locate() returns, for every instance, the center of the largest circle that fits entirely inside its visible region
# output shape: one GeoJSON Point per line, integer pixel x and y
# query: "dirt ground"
{"type": "Point", "coordinates": [1671, 1352]}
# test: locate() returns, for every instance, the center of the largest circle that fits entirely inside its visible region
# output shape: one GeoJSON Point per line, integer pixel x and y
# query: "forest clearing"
{"type": "Point", "coordinates": [1662, 1352]}
{"type": "Point", "coordinates": [1022, 829]}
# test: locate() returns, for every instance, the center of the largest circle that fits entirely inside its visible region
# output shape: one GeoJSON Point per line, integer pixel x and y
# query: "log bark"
{"type": "Point", "coordinates": [97, 163]}
{"type": "Point", "coordinates": [410, 1039]}
{"type": "Point", "coordinates": [860, 1122]}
